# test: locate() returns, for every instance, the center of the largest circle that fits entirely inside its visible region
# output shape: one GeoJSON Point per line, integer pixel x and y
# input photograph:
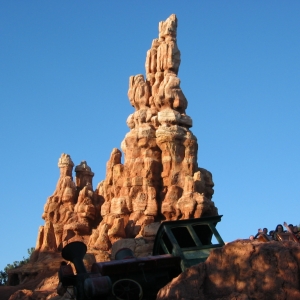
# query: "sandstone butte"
{"type": "Point", "coordinates": [159, 180]}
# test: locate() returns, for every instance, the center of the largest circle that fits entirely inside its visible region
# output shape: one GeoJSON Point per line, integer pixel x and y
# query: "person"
{"type": "Point", "coordinates": [271, 234]}
{"type": "Point", "coordinates": [251, 237]}
{"type": "Point", "coordinates": [295, 229]}
{"type": "Point", "coordinates": [259, 231]}
{"type": "Point", "coordinates": [279, 228]}
{"type": "Point", "coordinates": [291, 226]}
{"type": "Point", "coordinates": [290, 230]}
{"type": "Point", "coordinates": [265, 232]}
{"type": "Point", "coordinates": [296, 232]}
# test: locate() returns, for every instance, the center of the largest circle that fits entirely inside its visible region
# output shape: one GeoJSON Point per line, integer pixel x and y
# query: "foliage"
{"type": "Point", "coordinates": [15, 264]}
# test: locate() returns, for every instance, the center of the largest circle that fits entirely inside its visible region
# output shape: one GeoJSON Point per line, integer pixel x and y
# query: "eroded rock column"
{"type": "Point", "coordinates": [160, 177]}
{"type": "Point", "coordinates": [70, 212]}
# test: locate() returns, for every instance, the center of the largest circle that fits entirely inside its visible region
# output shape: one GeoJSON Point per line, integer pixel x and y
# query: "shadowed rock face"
{"type": "Point", "coordinates": [159, 179]}
{"type": "Point", "coordinates": [241, 270]}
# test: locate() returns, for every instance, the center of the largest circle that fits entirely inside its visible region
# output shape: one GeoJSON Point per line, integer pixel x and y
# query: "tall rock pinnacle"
{"type": "Point", "coordinates": [160, 178]}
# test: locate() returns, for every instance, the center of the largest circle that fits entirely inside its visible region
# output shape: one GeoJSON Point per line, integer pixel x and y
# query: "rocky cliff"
{"type": "Point", "coordinates": [160, 178]}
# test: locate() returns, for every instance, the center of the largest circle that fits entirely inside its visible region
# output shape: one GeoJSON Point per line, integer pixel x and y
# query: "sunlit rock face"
{"type": "Point", "coordinates": [71, 211]}
{"type": "Point", "coordinates": [242, 270]}
{"type": "Point", "coordinates": [159, 179]}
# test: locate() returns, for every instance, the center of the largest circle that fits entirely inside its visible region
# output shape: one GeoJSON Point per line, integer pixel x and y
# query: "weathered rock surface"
{"type": "Point", "coordinates": [71, 212]}
{"type": "Point", "coordinates": [159, 180]}
{"type": "Point", "coordinates": [241, 270]}
{"type": "Point", "coordinates": [38, 279]}
{"type": "Point", "coordinates": [160, 177]}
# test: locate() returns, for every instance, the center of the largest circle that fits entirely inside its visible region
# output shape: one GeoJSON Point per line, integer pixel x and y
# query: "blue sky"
{"type": "Point", "coordinates": [64, 73]}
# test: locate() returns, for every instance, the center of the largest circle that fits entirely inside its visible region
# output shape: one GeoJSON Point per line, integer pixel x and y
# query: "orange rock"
{"type": "Point", "coordinates": [241, 270]}
{"type": "Point", "coordinates": [71, 210]}
{"type": "Point", "coordinates": [159, 179]}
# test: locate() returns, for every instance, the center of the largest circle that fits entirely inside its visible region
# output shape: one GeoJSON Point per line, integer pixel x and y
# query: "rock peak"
{"type": "Point", "coordinates": [168, 28]}
{"type": "Point", "coordinates": [159, 179]}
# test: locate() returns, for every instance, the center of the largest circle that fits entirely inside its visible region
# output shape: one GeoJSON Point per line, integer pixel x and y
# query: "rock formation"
{"type": "Point", "coordinates": [160, 178]}
{"type": "Point", "coordinates": [70, 212]}
{"type": "Point", "coordinates": [241, 270]}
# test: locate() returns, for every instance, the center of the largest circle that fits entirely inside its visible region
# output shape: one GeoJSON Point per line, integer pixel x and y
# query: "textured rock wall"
{"type": "Point", "coordinates": [241, 270]}
{"type": "Point", "coordinates": [160, 178]}
{"type": "Point", "coordinates": [72, 210]}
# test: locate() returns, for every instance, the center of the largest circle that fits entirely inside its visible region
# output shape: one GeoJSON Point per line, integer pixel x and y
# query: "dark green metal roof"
{"type": "Point", "coordinates": [190, 239]}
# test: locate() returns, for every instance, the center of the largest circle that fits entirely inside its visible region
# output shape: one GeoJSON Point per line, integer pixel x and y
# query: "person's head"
{"type": "Point", "coordinates": [279, 228]}
{"type": "Point", "coordinates": [295, 229]}
{"type": "Point", "coordinates": [271, 232]}
{"type": "Point", "coordinates": [265, 230]}
{"type": "Point", "coordinates": [251, 237]}
{"type": "Point", "coordinates": [291, 226]}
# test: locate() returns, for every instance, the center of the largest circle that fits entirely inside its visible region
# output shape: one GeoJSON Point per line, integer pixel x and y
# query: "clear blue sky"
{"type": "Point", "coordinates": [64, 73]}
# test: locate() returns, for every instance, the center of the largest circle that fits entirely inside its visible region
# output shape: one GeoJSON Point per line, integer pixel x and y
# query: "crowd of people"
{"type": "Point", "coordinates": [272, 234]}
